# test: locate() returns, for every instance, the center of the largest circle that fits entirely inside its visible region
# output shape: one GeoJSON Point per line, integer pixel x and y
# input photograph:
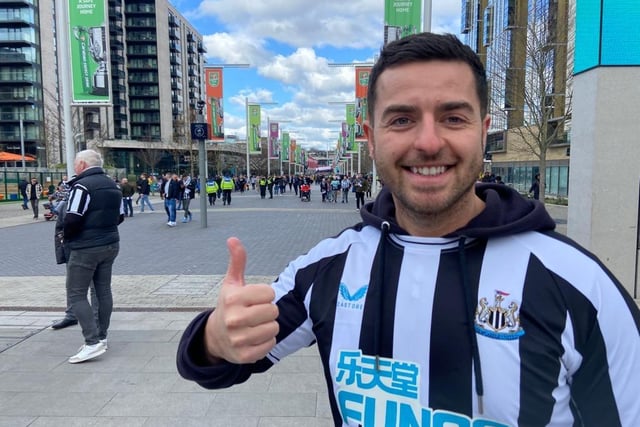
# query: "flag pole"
{"type": "Point", "coordinates": [65, 81]}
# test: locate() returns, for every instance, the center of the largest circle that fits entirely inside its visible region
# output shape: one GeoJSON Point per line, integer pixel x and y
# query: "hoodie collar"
{"type": "Point", "coordinates": [506, 212]}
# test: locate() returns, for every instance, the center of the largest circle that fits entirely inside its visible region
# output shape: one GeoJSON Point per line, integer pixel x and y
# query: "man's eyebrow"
{"type": "Point", "coordinates": [398, 108]}
{"type": "Point", "coordinates": [456, 105]}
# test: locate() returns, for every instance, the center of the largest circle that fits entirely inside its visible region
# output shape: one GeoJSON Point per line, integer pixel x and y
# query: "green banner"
{"type": "Point", "coordinates": [285, 146]}
{"type": "Point", "coordinates": [350, 145]}
{"type": "Point", "coordinates": [254, 129]}
{"type": "Point", "coordinates": [402, 17]}
{"type": "Point", "coordinates": [89, 52]}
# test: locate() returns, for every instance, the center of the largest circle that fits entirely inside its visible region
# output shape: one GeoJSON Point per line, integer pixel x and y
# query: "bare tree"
{"type": "Point", "coordinates": [149, 155]}
{"type": "Point", "coordinates": [531, 87]}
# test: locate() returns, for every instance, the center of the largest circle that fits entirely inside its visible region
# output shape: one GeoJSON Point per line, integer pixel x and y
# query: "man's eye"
{"type": "Point", "coordinates": [454, 120]}
{"type": "Point", "coordinates": [400, 121]}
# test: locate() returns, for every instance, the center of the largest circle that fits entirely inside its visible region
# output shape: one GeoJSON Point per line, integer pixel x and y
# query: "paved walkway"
{"type": "Point", "coordinates": [162, 278]}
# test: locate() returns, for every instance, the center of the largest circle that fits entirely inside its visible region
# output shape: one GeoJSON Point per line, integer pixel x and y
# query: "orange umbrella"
{"type": "Point", "coordinates": [12, 157]}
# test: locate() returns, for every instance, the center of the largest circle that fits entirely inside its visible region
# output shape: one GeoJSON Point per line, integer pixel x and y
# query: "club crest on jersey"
{"type": "Point", "coordinates": [495, 321]}
{"type": "Point", "coordinates": [348, 300]}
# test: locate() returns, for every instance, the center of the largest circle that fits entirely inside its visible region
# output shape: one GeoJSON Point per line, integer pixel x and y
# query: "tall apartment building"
{"type": "Point", "coordinates": [157, 78]}
{"type": "Point", "coordinates": [519, 41]}
{"type": "Point", "coordinates": [21, 86]}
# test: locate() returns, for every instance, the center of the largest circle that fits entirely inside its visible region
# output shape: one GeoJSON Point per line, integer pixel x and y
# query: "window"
{"type": "Point", "coordinates": [487, 30]}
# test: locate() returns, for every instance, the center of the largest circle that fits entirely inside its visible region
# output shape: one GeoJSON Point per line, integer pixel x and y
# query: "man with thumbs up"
{"type": "Point", "coordinates": [452, 302]}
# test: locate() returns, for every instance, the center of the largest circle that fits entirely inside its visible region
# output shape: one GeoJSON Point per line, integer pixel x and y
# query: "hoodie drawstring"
{"type": "Point", "coordinates": [471, 307]}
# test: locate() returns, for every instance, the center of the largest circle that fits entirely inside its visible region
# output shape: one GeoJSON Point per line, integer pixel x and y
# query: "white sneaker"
{"type": "Point", "coordinates": [104, 341]}
{"type": "Point", "coordinates": [88, 352]}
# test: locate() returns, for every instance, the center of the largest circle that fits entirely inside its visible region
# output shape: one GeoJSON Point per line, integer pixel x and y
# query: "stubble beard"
{"type": "Point", "coordinates": [433, 208]}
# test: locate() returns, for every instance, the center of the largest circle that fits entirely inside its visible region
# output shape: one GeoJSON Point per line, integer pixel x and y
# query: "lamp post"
{"type": "Point", "coordinates": [246, 109]}
{"type": "Point", "coordinates": [199, 131]}
{"type": "Point", "coordinates": [22, 142]}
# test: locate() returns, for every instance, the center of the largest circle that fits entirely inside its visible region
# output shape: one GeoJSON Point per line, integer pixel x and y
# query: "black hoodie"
{"type": "Point", "coordinates": [504, 322]}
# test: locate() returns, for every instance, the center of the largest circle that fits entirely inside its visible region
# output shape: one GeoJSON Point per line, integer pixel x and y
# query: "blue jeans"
{"type": "Point", "coordinates": [170, 207]}
{"type": "Point", "coordinates": [144, 198]}
{"type": "Point", "coordinates": [83, 266]}
{"type": "Point", "coordinates": [127, 204]}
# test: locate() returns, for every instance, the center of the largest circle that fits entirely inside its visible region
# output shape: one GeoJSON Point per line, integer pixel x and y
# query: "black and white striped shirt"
{"type": "Point", "coordinates": [557, 337]}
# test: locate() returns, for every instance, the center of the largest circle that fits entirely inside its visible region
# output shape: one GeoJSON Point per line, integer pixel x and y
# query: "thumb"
{"type": "Point", "coordinates": [237, 262]}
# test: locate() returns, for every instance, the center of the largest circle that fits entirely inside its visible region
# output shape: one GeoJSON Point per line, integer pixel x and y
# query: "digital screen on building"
{"type": "Point", "coordinates": [607, 34]}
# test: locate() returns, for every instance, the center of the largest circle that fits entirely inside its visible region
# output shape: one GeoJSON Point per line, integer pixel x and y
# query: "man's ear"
{"type": "Point", "coordinates": [485, 130]}
{"type": "Point", "coordinates": [368, 133]}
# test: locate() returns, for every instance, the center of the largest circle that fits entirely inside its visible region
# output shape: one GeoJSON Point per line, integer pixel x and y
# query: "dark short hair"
{"type": "Point", "coordinates": [423, 47]}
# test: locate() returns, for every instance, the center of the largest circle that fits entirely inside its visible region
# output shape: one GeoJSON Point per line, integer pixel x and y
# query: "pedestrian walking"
{"type": "Point", "coordinates": [143, 191]}
{"type": "Point", "coordinates": [128, 190]}
{"type": "Point", "coordinates": [34, 191]}
{"type": "Point", "coordinates": [22, 186]}
{"type": "Point", "coordinates": [188, 187]}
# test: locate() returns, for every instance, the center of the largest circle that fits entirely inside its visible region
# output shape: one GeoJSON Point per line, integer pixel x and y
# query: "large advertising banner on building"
{"type": "Point", "coordinates": [215, 118]}
{"type": "Point", "coordinates": [401, 18]}
{"type": "Point", "coordinates": [253, 139]}
{"type": "Point", "coordinates": [362, 84]}
{"type": "Point", "coordinates": [274, 149]}
{"type": "Point", "coordinates": [89, 52]}
{"type": "Point", "coordinates": [285, 146]}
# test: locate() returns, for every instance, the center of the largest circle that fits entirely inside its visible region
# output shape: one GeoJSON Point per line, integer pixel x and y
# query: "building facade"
{"type": "Point", "coordinates": [21, 78]}
{"type": "Point", "coordinates": [526, 47]}
{"type": "Point", "coordinates": [156, 63]}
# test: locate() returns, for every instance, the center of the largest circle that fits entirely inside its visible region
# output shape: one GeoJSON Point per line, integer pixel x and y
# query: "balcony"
{"type": "Point", "coordinates": [115, 28]}
{"type": "Point", "coordinates": [145, 37]}
{"type": "Point", "coordinates": [141, 8]}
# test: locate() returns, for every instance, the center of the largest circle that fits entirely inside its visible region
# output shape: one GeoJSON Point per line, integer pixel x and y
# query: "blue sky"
{"type": "Point", "coordinates": [289, 45]}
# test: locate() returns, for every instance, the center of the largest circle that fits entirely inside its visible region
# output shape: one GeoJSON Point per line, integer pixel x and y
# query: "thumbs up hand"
{"type": "Point", "coordinates": [243, 327]}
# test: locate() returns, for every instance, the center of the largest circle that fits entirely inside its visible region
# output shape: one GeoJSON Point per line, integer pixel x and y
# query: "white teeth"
{"type": "Point", "coordinates": [429, 171]}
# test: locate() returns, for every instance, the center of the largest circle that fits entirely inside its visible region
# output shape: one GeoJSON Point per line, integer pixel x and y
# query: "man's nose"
{"type": "Point", "coordinates": [428, 138]}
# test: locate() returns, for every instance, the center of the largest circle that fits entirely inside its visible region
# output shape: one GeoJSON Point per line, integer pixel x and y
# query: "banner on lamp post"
{"type": "Point", "coordinates": [344, 135]}
{"type": "Point", "coordinates": [292, 151]}
{"type": "Point", "coordinates": [362, 85]}
{"type": "Point", "coordinates": [401, 19]}
{"type": "Point", "coordinates": [89, 52]}
{"type": "Point", "coordinates": [350, 144]}
{"type": "Point", "coordinates": [274, 149]}
{"type": "Point", "coordinates": [285, 146]}
{"type": "Point", "coordinates": [214, 92]}
{"type": "Point", "coordinates": [253, 139]}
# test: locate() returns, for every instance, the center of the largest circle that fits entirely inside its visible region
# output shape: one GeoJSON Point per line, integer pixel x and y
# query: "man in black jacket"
{"type": "Point", "coordinates": [94, 212]}
{"type": "Point", "coordinates": [22, 186]}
